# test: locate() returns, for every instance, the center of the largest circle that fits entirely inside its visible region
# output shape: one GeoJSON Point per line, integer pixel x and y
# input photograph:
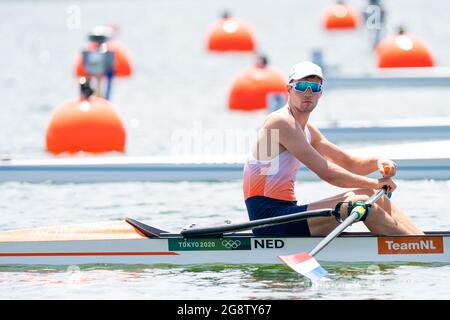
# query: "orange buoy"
{"type": "Point", "coordinates": [230, 34]}
{"type": "Point", "coordinates": [403, 50]}
{"type": "Point", "coordinates": [341, 16]}
{"type": "Point", "coordinates": [122, 59]}
{"type": "Point", "coordinates": [253, 87]}
{"type": "Point", "coordinates": [89, 125]}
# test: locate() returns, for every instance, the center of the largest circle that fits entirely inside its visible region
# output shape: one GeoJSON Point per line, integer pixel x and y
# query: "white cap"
{"type": "Point", "coordinates": [304, 69]}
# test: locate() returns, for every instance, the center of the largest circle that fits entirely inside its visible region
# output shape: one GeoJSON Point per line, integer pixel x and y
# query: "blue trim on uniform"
{"type": "Point", "coordinates": [260, 207]}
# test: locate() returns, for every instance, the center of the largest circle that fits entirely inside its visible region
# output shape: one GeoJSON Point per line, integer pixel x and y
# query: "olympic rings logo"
{"type": "Point", "coordinates": [231, 244]}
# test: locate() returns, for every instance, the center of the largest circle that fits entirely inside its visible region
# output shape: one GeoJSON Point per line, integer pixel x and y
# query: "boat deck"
{"type": "Point", "coordinates": [121, 230]}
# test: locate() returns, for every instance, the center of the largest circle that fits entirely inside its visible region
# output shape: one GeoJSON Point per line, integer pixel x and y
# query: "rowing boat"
{"type": "Point", "coordinates": [430, 160]}
{"type": "Point", "coordinates": [389, 77]}
{"type": "Point", "coordinates": [338, 77]}
{"type": "Point", "coordinates": [132, 242]}
{"type": "Point", "coordinates": [171, 169]}
{"type": "Point", "coordinates": [420, 129]}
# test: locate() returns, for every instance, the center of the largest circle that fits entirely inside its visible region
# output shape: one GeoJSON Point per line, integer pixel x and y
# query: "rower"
{"type": "Point", "coordinates": [288, 139]}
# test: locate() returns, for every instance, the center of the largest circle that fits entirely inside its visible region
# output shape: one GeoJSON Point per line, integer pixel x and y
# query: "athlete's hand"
{"type": "Point", "coordinates": [387, 182]}
{"type": "Point", "coordinates": [387, 168]}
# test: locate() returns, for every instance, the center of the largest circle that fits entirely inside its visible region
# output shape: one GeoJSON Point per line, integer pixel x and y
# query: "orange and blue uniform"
{"type": "Point", "coordinates": [269, 191]}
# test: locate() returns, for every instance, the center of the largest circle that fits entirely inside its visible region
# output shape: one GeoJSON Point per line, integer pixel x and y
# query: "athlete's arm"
{"type": "Point", "coordinates": [351, 162]}
{"type": "Point", "coordinates": [292, 137]}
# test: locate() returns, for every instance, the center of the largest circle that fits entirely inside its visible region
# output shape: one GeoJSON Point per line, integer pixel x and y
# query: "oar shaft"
{"type": "Point", "coordinates": [350, 219]}
{"type": "Point", "coordinates": [325, 241]}
{"type": "Point", "coordinates": [376, 196]}
{"type": "Point", "coordinates": [260, 223]}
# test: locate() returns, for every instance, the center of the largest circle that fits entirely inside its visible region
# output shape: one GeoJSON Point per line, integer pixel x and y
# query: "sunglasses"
{"type": "Point", "coordinates": [302, 86]}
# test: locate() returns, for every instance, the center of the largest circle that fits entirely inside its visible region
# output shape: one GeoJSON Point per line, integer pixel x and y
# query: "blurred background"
{"type": "Point", "coordinates": [178, 84]}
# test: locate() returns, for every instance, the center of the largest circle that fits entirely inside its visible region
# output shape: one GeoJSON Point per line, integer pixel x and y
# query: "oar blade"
{"type": "Point", "coordinates": [305, 264]}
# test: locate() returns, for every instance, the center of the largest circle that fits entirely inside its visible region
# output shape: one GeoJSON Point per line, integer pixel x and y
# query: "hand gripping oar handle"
{"type": "Point", "coordinates": [387, 168]}
{"type": "Point", "coordinates": [354, 215]}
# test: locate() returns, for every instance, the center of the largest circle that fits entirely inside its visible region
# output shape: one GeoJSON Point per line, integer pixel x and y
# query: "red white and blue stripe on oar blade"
{"type": "Point", "coordinates": [304, 264]}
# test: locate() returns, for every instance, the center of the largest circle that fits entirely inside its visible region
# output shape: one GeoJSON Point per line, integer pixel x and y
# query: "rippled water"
{"type": "Point", "coordinates": [224, 282]}
{"type": "Point", "coordinates": [177, 85]}
{"type": "Point", "coordinates": [175, 206]}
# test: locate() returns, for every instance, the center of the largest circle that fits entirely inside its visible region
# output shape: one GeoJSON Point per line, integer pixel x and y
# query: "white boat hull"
{"type": "Point", "coordinates": [390, 78]}
{"type": "Point", "coordinates": [119, 243]}
{"type": "Point", "coordinates": [429, 160]}
{"type": "Point", "coordinates": [149, 170]}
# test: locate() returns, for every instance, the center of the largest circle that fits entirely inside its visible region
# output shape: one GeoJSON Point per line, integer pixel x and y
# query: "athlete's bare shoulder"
{"type": "Point", "coordinates": [316, 135]}
{"type": "Point", "coordinates": [279, 120]}
{"type": "Point", "coordinates": [315, 132]}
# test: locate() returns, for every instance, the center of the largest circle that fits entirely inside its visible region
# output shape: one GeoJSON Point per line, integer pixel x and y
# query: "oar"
{"type": "Point", "coordinates": [260, 223]}
{"type": "Point", "coordinates": [305, 263]}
